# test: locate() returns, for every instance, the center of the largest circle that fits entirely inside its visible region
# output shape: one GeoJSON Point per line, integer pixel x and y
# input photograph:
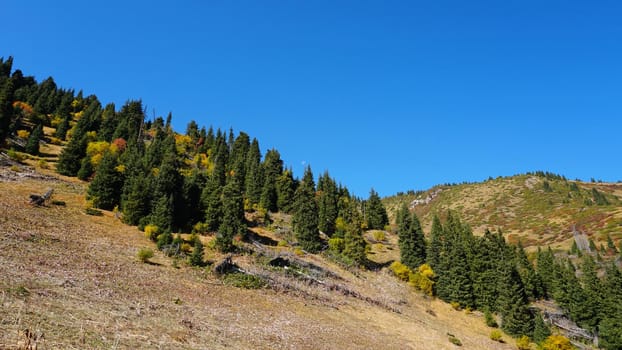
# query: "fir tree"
{"type": "Point", "coordinates": [196, 258]}
{"type": "Point", "coordinates": [540, 330]}
{"type": "Point", "coordinates": [105, 190]}
{"type": "Point", "coordinates": [61, 129]}
{"type": "Point", "coordinates": [254, 176]}
{"type": "Point", "coordinates": [136, 199]}
{"type": "Point", "coordinates": [7, 90]}
{"type": "Point", "coordinates": [285, 188]}
{"type": "Point", "coordinates": [210, 198]}
{"type": "Point", "coordinates": [355, 246]}
{"type": "Point", "coordinates": [610, 245]}
{"type": "Point", "coordinates": [434, 249]}
{"type": "Point", "coordinates": [610, 328]}
{"type": "Point", "coordinates": [162, 214]}
{"type": "Point", "coordinates": [377, 217]}
{"type": "Point", "coordinates": [410, 239]}
{"type": "Point", "coordinates": [232, 218]}
{"type": "Point", "coordinates": [305, 220]}
{"type": "Point", "coordinates": [272, 168]}
{"type": "Point", "coordinates": [327, 204]}
{"type": "Point", "coordinates": [32, 145]}
{"type": "Point", "coordinates": [86, 169]}
{"type": "Point", "coordinates": [516, 318]}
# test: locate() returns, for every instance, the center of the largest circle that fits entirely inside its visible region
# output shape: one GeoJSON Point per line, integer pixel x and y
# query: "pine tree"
{"type": "Point", "coordinates": [610, 328]}
{"type": "Point", "coordinates": [540, 330]}
{"type": "Point", "coordinates": [355, 246]}
{"type": "Point", "coordinates": [305, 220]}
{"type": "Point", "coordinates": [545, 271]}
{"type": "Point", "coordinates": [135, 201]}
{"type": "Point", "coordinates": [434, 249]}
{"type": "Point", "coordinates": [61, 129]}
{"type": "Point", "coordinates": [210, 198]}
{"type": "Point", "coordinates": [232, 218]}
{"type": "Point", "coordinates": [272, 168]}
{"type": "Point", "coordinates": [196, 258]}
{"type": "Point", "coordinates": [7, 90]}
{"type": "Point", "coordinates": [254, 176]}
{"type": "Point", "coordinates": [162, 214]}
{"type": "Point", "coordinates": [410, 239]}
{"type": "Point", "coordinates": [105, 190]}
{"type": "Point", "coordinates": [377, 217]}
{"type": "Point", "coordinates": [86, 169]}
{"type": "Point", "coordinates": [327, 204]}
{"type": "Point", "coordinates": [285, 188]}
{"type": "Point", "coordinates": [516, 318]}
{"type": "Point", "coordinates": [32, 145]}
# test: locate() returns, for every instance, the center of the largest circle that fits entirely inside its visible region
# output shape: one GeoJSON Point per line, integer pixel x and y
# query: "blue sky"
{"type": "Point", "coordinates": [394, 95]}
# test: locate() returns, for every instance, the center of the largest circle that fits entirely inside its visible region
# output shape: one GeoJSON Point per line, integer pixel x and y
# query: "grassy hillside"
{"type": "Point", "coordinates": [75, 280]}
{"type": "Point", "coordinates": [538, 210]}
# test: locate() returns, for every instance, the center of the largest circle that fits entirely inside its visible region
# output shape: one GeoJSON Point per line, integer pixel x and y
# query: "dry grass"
{"type": "Point", "coordinates": [74, 281]}
{"type": "Point", "coordinates": [524, 211]}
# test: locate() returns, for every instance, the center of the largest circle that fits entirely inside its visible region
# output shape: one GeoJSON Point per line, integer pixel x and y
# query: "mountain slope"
{"type": "Point", "coordinates": [75, 279]}
{"type": "Point", "coordinates": [537, 209]}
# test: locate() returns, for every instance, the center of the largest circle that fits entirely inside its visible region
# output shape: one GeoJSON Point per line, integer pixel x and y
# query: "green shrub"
{"type": "Point", "coordinates": [379, 236]}
{"type": "Point", "coordinates": [282, 243]}
{"type": "Point", "coordinates": [423, 279]}
{"type": "Point", "coordinates": [242, 280]}
{"type": "Point", "coordinates": [336, 245]}
{"type": "Point", "coordinates": [16, 156]}
{"type": "Point", "coordinates": [490, 319]}
{"type": "Point", "coordinates": [144, 254]}
{"type": "Point", "coordinates": [454, 340]}
{"type": "Point", "coordinates": [93, 212]}
{"type": "Point", "coordinates": [496, 335]}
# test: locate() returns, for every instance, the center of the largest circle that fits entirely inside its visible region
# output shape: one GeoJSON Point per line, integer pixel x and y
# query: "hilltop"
{"type": "Point", "coordinates": [537, 209]}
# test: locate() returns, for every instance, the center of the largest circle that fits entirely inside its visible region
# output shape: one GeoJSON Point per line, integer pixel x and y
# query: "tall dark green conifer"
{"type": "Point", "coordinates": [436, 241]}
{"type": "Point", "coordinates": [305, 220]}
{"type": "Point", "coordinates": [327, 204]}
{"type": "Point", "coordinates": [232, 218]}
{"type": "Point", "coordinates": [32, 145]}
{"type": "Point", "coordinates": [254, 175]}
{"type": "Point", "coordinates": [105, 190]}
{"type": "Point", "coordinates": [285, 188]}
{"type": "Point", "coordinates": [272, 168]}
{"type": "Point", "coordinates": [410, 239]}
{"type": "Point", "coordinates": [210, 198]}
{"type": "Point", "coordinates": [376, 213]}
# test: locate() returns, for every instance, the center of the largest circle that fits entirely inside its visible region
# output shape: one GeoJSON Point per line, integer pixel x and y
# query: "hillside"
{"type": "Point", "coordinates": [75, 279]}
{"type": "Point", "coordinates": [537, 209]}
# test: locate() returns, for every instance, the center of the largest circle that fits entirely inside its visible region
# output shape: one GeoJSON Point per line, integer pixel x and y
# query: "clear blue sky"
{"type": "Point", "coordinates": [393, 95]}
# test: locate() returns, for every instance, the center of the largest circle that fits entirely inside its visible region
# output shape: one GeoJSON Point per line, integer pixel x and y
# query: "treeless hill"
{"type": "Point", "coordinates": [538, 210]}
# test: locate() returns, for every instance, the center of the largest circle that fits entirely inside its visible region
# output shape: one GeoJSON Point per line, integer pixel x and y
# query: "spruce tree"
{"type": "Point", "coordinates": [32, 145]}
{"type": "Point", "coordinates": [254, 175]}
{"type": "Point", "coordinates": [610, 245]}
{"type": "Point", "coordinates": [136, 199]}
{"type": "Point", "coordinates": [61, 129]}
{"type": "Point", "coordinates": [516, 318]}
{"type": "Point", "coordinates": [410, 239]}
{"type": "Point", "coordinates": [540, 330]}
{"type": "Point", "coordinates": [196, 258]}
{"type": "Point", "coordinates": [232, 218]}
{"type": "Point", "coordinates": [86, 169]}
{"type": "Point", "coordinates": [377, 217]}
{"type": "Point", "coordinates": [210, 198]}
{"type": "Point", "coordinates": [162, 214]}
{"type": "Point", "coordinates": [285, 188]}
{"type": "Point", "coordinates": [305, 220]}
{"type": "Point", "coordinates": [610, 328]}
{"type": "Point", "coordinates": [105, 190]}
{"type": "Point", "coordinates": [7, 90]}
{"type": "Point", "coordinates": [355, 246]}
{"type": "Point", "coordinates": [272, 168]}
{"type": "Point", "coordinates": [327, 204]}
{"type": "Point", "coordinates": [434, 249]}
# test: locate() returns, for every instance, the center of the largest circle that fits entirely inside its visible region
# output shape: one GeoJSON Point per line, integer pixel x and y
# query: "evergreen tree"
{"type": "Point", "coordinates": [162, 214]}
{"type": "Point", "coordinates": [196, 259]}
{"type": "Point", "coordinates": [191, 210]}
{"type": "Point", "coordinates": [61, 129]}
{"type": "Point", "coordinates": [610, 328]}
{"type": "Point", "coordinates": [105, 190]}
{"type": "Point", "coordinates": [305, 220]}
{"type": "Point", "coordinates": [32, 145]}
{"type": "Point", "coordinates": [210, 198]}
{"type": "Point", "coordinates": [232, 218]}
{"type": "Point", "coordinates": [254, 176]}
{"type": "Point", "coordinates": [272, 168]}
{"type": "Point", "coordinates": [531, 282]}
{"type": "Point", "coordinates": [545, 271]}
{"type": "Point", "coordinates": [136, 199]}
{"type": "Point", "coordinates": [516, 318]}
{"type": "Point", "coordinates": [327, 204]}
{"type": "Point", "coordinates": [355, 246]}
{"type": "Point", "coordinates": [7, 90]}
{"type": "Point", "coordinates": [86, 169]}
{"type": "Point", "coordinates": [434, 249]}
{"type": "Point", "coordinates": [285, 188]}
{"type": "Point", "coordinates": [540, 330]}
{"type": "Point", "coordinates": [410, 239]}
{"type": "Point", "coordinates": [377, 217]}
